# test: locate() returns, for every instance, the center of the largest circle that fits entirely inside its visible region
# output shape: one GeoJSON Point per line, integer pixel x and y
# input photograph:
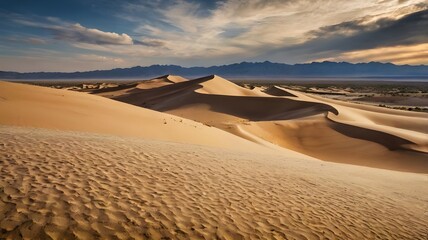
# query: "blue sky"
{"type": "Point", "coordinates": [48, 35]}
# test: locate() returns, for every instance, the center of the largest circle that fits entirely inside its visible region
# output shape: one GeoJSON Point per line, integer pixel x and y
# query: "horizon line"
{"type": "Point", "coordinates": [256, 62]}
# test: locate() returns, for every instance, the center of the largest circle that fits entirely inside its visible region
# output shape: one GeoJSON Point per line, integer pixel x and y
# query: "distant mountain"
{"type": "Point", "coordinates": [243, 69]}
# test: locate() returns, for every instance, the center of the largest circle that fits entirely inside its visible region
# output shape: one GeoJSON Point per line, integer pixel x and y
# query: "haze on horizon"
{"type": "Point", "coordinates": [84, 35]}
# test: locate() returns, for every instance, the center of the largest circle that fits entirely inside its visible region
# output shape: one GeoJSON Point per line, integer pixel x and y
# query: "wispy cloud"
{"type": "Point", "coordinates": [357, 35]}
{"type": "Point", "coordinates": [190, 32]}
{"type": "Point", "coordinates": [99, 58]}
{"type": "Point", "coordinates": [31, 40]}
{"type": "Point", "coordinates": [78, 33]}
{"type": "Point", "coordinates": [37, 60]}
{"type": "Point", "coordinates": [149, 43]}
{"type": "Point", "coordinates": [252, 28]}
{"type": "Point", "coordinates": [75, 32]}
{"type": "Point", "coordinates": [412, 54]}
{"type": "Point", "coordinates": [36, 41]}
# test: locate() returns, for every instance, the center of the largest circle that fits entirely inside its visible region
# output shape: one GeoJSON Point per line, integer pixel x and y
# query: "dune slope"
{"type": "Point", "coordinates": [32, 106]}
{"type": "Point", "coordinates": [390, 139]}
{"type": "Point", "coordinates": [235, 101]}
{"type": "Point", "coordinates": [63, 185]}
{"type": "Point", "coordinates": [160, 81]}
{"type": "Point", "coordinates": [135, 86]}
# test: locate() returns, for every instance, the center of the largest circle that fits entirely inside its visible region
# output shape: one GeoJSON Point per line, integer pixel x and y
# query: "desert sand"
{"type": "Point", "coordinates": [210, 160]}
{"type": "Point", "coordinates": [41, 107]}
{"type": "Point", "coordinates": [323, 128]}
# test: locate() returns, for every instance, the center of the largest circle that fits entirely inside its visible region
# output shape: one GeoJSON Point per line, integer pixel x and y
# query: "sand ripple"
{"type": "Point", "coordinates": [57, 185]}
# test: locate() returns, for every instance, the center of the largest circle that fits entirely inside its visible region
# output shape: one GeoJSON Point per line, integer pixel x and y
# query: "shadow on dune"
{"type": "Point", "coordinates": [253, 108]}
{"type": "Point", "coordinates": [390, 141]}
{"type": "Point", "coordinates": [275, 91]}
{"type": "Point", "coordinates": [256, 108]}
{"type": "Point", "coordinates": [120, 87]}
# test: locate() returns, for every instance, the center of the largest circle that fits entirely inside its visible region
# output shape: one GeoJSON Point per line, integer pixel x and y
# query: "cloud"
{"type": "Point", "coordinates": [78, 33]}
{"type": "Point", "coordinates": [31, 40]}
{"type": "Point", "coordinates": [35, 60]}
{"type": "Point", "coordinates": [150, 43]}
{"type": "Point", "coordinates": [369, 32]}
{"type": "Point", "coordinates": [412, 54]}
{"type": "Point", "coordinates": [355, 35]}
{"type": "Point", "coordinates": [36, 41]}
{"type": "Point", "coordinates": [251, 28]}
{"type": "Point", "coordinates": [190, 32]}
{"type": "Point", "coordinates": [98, 58]}
{"type": "Point", "coordinates": [225, 29]}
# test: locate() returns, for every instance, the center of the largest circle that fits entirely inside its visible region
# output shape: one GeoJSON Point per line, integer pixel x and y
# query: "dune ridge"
{"type": "Point", "coordinates": [279, 116]}
{"type": "Point", "coordinates": [236, 101]}
{"type": "Point", "coordinates": [135, 86]}
{"type": "Point", "coordinates": [160, 81]}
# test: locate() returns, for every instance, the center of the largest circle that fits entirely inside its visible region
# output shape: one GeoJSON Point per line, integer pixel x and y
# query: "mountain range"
{"type": "Point", "coordinates": [244, 69]}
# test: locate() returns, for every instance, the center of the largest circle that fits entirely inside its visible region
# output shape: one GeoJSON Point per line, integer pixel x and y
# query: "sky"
{"type": "Point", "coordinates": [81, 35]}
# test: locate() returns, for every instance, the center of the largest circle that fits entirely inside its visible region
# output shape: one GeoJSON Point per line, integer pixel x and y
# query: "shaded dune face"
{"type": "Point", "coordinates": [120, 87]}
{"type": "Point", "coordinates": [251, 108]}
{"type": "Point", "coordinates": [389, 137]}
{"type": "Point", "coordinates": [390, 141]}
{"type": "Point", "coordinates": [136, 86]}
{"type": "Point", "coordinates": [277, 91]}
{"type": "Point", "coordinates": [337, 142]}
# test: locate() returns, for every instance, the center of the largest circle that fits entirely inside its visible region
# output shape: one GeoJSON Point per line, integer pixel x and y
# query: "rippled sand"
{"type": "Point", "coordinates": [65, 185]}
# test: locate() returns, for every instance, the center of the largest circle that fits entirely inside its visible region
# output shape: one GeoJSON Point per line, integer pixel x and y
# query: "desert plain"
{"type": "Point", "coordinates": [206, 158]}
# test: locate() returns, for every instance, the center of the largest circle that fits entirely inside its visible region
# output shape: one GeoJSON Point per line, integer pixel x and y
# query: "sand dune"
{"type": "Point", "coordinates": [79, 166]}
{"type": "Point", "coordinates": [390, 139]}
{"type": "Point", "coordinates": [63, 185]}
{"type": "Point", "coordinates": [236, 101]}
{"type": "Point", "coordinates": [160, 81]}
{"type": "Point", "coordinates": [328, 141]}
{"type": "Point", "coordinates": [219, 86]}
{"type": "Point", "coordinates": [411, 126]}
{"type": "Point", "coordinates": [32, 106]}
{"type": "Point", "coordinates": [135, 86]}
